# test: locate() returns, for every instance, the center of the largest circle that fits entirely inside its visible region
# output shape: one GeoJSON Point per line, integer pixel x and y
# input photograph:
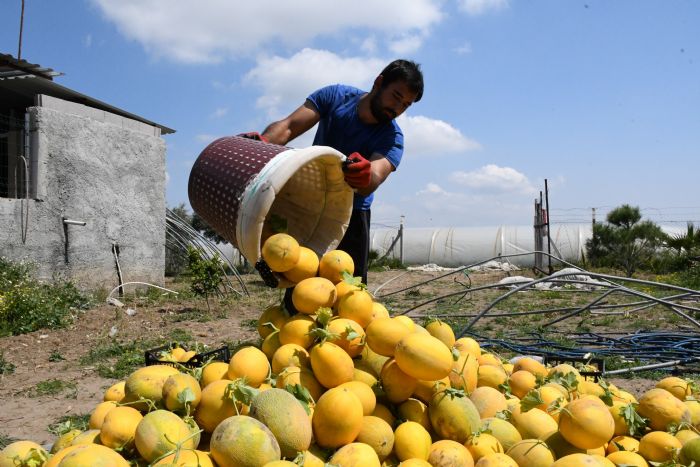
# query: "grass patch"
{"type": "Point", "coordinates": [5, 367]}
{"type": "Point", "coordinates": [54, 387]}
{"type": "Point", "coordinates": [27, 305]}
{"type": "Point", "coordinates": [113, 359]}
{"type": "Point", "coordinates": [69, 422]}
{"type": "Point", "coordinates": [5, 440]}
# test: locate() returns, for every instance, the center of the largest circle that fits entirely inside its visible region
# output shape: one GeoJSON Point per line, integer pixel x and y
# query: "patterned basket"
{"type": "Point", "coordinates": [240, 186]}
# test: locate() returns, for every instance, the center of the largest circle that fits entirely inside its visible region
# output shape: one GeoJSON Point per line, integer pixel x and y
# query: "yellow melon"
{"type": "Point", "coordinates": [448, 453]}
{"type": "Point", "coordinates": [577, 460]}
{"type": "Point", "coordinates": [20, 453]}
{"type": "Point", "coordinates": [414, 410]}
{"type": "Point", "coordinates": [249, 363]}
{"type": "Point", "coordinates": [337, 418]}
{"type": "Point", "coordinates": [622, 443]}
{"type": "Point", "coordinates": [425, 390]}
{"type": "Point", "coordinates": [411, 440]}
{"type": "Point", "coordinates": [626, 458]}
{"type": "Point", "coordinates": [398, 386]}
{"type": "Point", "coordinates": [64, 440]}
{"type": "Point", "coordinates": [286, 418]}
{"type": "Point", "coordinates": [115, 392]}
{"type": "Point", "coordinates": [306, 266]}
{"type": "Point", "coordinates": [293, 375]}
{"type": "Point", "coordinates": [333, 263]}
{"type": "Point", "coordinates": [159, 432]}
{"type": "Point", "coordinates": [357, 305]}
{"type": "Point", "coordinates": [119, 426]}
{"type": "Point", "coordinates": [290, 355]}
{"type": "Point", "coordinates": [57, 457]}
{"type": "Point", "coordinates": [351, 336]}
{"type": "Point", "coordinates": [377, 433]}
{"type": "Point", "coordinates": [379, 310]}
{"type": "Point", "coordinates": [662, 409]}
{"type": "Point", "coordinates": [296, 331]}
{"type": "Point", "coordinates": [273, 317]}
{"type": "Point", "coordinates": [313, 293]}
{"type": "Point", "coordinates": [502, 430]}
{"type": "Point", "coordinates": [215, 405]}
{"type": "Point", "coordinates": [364, 393]}
{"type": "Point", "coordinates": [465, 372]}
{"type": "Point", "coordinates": [181, 393]}
{"type": "Point", "coordinates": [355, 455]}
{"type": "Point", "coordinates": [213, 371]}
{"type": "Point", "coordinates": [488, 401]}
{"type": "Point", "coordinates": [384, 333]}
{"type": "Point", "coordinates": [468, 345]}
{"type": "Point", "coordinates": [491, 375]}
{"type": "Point", "coordinates": [187, 458]}
{"type": "Point", "coordinates": [281, 252]}
{"type": "Point", "coordinates": [531, 453]}
{"type": "Point", "coordinates": [91, 436]}
{"type": "Point", "coordinates": [331, 364]}
{"type": "Point", "coordinates": [453, 417]}
{"type": "Point", "coordinates": [586, 423]}
{"type": "Point", "coordinates": [147, 383]}
{"type": "Point", "coordinates": [530, 364]}
{"type": "Point", "coordinates": [521, 382]}
{"type": "Point", "coordinates": [534, 424]}
{"type": "Point", "coordinates": [97, 416]}
{"type": "Point", "coordinates": [496, 459]}
{"type": "Point", "coordinates": [243, 441]}
{"type": "Point", "coordinates": [659, 446]}
{"type": "Point", "coordinates": [482, 445]}
{"type": "Point", "coordinates": [442, 331]}
{"type": "Point", "coordinates": [92, 455]}
{"type": "Point", "coordinates": [423, 357]}
{"type": "Point", "coordinates": [679, 387]}
{"type": "Point", "coordinates": [383, 412]}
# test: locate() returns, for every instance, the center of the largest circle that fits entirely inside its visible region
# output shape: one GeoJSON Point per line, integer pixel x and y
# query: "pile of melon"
{"type": "Point", "coordinates": [344, 383]}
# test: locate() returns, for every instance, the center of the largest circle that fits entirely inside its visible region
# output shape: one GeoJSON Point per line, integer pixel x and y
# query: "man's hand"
{"type": "Point", "coordinates": [254, 135]}
{"type": "Point", "coordinates": [358, 171]}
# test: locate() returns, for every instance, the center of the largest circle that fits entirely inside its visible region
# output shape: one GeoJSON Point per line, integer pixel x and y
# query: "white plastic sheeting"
{"type": "Point", "coordinates": [458, 246]}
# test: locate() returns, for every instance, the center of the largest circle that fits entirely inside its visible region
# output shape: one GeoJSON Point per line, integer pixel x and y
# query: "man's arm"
{"type": "Point", "coordinates": [298, 122]}
{"type": "Point", "coordinates": [381, 168]}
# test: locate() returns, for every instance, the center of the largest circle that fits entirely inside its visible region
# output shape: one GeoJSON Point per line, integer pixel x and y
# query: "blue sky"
{"type": "Point", "coordinates": [601, 98]}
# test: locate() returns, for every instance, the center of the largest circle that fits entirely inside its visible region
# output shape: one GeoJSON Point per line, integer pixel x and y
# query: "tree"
{"type": "Point", "coordinates": [624, 241]}
{"type": "Point", "coordinates": [201, 226]}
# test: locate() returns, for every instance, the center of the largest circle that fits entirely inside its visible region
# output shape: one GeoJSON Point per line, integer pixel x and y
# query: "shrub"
{"type": "Point", "coordinates": [27, 304]}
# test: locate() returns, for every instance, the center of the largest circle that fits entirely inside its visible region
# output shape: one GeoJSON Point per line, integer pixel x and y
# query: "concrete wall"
{"type": "Point", "coordinates": [100, 168]}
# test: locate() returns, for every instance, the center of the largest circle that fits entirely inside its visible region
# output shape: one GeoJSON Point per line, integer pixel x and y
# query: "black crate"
{"type": "Point", "coordinates": [222, 354]}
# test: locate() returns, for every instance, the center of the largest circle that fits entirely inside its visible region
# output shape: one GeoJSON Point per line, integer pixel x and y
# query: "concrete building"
{"type": "Point", "coordinates": [82, 183]}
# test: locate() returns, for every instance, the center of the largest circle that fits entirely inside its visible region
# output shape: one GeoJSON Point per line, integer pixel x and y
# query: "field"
{"type": "Point", "coordinates": [50, 377]}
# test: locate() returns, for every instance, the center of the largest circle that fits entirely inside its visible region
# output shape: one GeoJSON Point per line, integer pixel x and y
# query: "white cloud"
{"type": "Point", "coordinates": [205, 138]}
{"type": "Point", "coordinates": [479, 7]}
{"type": "Point", "coordinates": [492, 178]}
{"type": "Point", "coordinates": [219, 112]}
{"type": "Point", "coordinates": [87, 41]}
{"type": "Point", "coordinates": [429, 137]}
{"type": "Point", "coordinates": [406, 44]}
{"type": "Point", "coordinates": [286, 82]}
{"type": "Point", "coordinates": [209, 31]}
{"type": "Point", "coordinates": [463, 49]}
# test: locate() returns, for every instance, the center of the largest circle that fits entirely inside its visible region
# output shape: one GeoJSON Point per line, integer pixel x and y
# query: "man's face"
{"type": "Point", "coordinates": [390, 101]}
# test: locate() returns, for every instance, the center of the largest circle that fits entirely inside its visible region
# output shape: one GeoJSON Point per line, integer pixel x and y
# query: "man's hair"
{"type": "Point", "coordinates": [407, 71]}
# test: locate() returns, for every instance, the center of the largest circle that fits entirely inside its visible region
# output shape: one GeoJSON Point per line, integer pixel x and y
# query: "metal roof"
{"type": "Point", "coordinates": [25, 80]}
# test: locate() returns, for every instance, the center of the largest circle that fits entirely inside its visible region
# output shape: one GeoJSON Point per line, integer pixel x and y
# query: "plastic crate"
{"type": "Point", "coordinates": [221, 354]}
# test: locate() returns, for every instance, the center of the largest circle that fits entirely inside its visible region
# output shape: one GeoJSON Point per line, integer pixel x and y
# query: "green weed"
{"type": "Point", "coordinates": [5, 367]}
{"type": "Point", "coordinates": [69, 422]}
{"type": "Point", "coordinates": [27, 305]}
{"type": "Point", "coordinates": [5, 440]}
{"type": "Point", "coordinates": [54, 387]}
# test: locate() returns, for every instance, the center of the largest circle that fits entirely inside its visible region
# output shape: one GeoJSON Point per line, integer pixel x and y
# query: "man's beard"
{"type": "Point", "coordinates": [378, 112]}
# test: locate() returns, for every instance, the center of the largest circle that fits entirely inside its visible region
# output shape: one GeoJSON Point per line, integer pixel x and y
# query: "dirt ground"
{"type": "Point", "coordinates": [25, 414]}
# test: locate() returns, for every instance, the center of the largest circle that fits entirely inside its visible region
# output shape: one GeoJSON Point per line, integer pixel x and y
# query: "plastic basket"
{"type": "Point", "coordinates": [222, 354]}
{"type": "Point", "coordinates": [240, 187]}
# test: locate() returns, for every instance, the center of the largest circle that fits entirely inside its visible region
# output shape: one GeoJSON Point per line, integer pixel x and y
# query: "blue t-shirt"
{"type": "Point", "coordinates": [340, 128]}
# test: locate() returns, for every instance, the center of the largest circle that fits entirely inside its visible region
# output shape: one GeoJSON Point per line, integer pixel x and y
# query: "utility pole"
{"type": "Point", "coordinates": [549, 235]}
{"type": "Point", "coordinates": [21, 27]}
{"type": "Point", "coordinates": [401, 239]}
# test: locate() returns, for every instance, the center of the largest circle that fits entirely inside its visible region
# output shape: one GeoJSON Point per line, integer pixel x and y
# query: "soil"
{"type": "Point", "coordinates": [26, 414]}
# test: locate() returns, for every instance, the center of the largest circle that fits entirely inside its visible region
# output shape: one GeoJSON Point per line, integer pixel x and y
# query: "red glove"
{"type": "Point", "coordinates": [358, 171]}
{"type": "Point", "coordinates": [254, 135]}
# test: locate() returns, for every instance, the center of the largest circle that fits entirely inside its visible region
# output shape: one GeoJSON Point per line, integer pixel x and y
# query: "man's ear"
{"type": "Point", "coordinates": [377, 83]}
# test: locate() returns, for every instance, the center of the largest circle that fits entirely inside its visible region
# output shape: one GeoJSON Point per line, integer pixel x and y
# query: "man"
{"type": "Point", "coordinates": [362, 126]}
